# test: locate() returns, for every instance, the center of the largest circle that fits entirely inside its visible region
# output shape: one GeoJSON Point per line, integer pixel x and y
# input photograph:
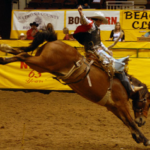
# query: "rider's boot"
{"type": "Point", "coordinates": [131, 89]}
{"type": "Point", "coordinates": [136, 88]}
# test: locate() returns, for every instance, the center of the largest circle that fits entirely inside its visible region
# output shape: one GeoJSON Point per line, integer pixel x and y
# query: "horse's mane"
{"type": "Point", "coordinates": [136, 82]}
{"type": "Point", "coordinates": [46, 35]}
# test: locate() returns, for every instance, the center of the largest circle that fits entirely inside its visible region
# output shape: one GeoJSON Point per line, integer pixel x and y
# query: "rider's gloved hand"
{"type": "Point", "coordinates": [80, 10]}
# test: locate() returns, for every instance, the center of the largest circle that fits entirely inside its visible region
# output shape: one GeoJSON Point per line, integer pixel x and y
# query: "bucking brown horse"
{"type": "Point", "coordinates": [83, 77]}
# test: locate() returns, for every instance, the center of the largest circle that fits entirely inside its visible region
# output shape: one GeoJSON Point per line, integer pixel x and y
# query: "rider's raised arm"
{"type": "Point", "coordinates": [83, 19]}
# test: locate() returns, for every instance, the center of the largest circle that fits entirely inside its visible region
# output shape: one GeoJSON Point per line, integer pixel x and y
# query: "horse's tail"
{"type": "Point", "coordinates": [48, 35]}
{"type": "Point", "coordinates": [40, 37]}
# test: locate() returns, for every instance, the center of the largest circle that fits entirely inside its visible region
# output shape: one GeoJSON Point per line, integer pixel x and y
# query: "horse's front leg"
{"type": "Point", "coordinates": [19, 57]}
{"type": "Point", "coordinates": [123, 113]}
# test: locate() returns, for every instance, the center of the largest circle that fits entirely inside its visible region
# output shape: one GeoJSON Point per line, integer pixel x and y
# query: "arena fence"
{"type": "Point", "coordinates": [121, 49]}
{"type": "Point", "coordinates": [18, 75]}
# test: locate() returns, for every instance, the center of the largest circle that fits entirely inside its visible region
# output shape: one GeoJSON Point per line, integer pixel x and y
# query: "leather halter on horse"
{"type": "Point", "coordinates": [140, 98]}
{"type": "Point", "coordinates": [140, 110]}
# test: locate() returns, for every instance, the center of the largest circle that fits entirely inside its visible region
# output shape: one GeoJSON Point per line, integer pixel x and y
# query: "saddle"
{"type": "Point", "coordinates": [108, 63]}
{"type": "Point", "coordinates": [107, 67]}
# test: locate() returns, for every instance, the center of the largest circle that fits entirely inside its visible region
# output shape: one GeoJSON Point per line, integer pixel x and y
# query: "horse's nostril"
{"type": "Point", "coordinates": [139, 125]}
{"type": "Point", "coordinates": [141, 119]}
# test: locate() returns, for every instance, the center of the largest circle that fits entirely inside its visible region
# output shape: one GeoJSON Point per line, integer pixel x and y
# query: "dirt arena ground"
{"type": "Point", "coordinates": [60, 121]}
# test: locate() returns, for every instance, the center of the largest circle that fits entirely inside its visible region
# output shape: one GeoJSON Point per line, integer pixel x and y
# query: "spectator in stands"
{"type": "Point", "coordinates": [32, 32]}
{"type": "Point", "coordinates": [67, 35]}
{"type": "Point", "coordinates": [48, 28]}
{"type": "Point", "coordinates": [66, 32]}
{"type": "Point", "coordinates": [116, 33]}
{"type": "Point", "coordinates": [84, 4]}
{"type": "Point", "coordinates": [22, 36]}
{"type": "Point", "coordinates": [148, 33]}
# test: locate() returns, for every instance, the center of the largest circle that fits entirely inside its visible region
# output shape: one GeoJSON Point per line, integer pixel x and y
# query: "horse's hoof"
{"type": "Point", "coordinates": [147, 143]}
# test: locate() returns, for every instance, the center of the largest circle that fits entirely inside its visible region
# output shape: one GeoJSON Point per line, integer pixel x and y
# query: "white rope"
{"type": "Point", "coordinates": [73, 69]}
{"type": "Point", "coordinates": [88, 77]}
{"type": "Point", "coordinates": [121, 34]}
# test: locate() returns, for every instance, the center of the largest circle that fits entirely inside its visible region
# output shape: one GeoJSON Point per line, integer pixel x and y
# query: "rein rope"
{"type": "Point", "coordinates": [71, 71]}
{"type": "Point", "coordinates": [75, 67]}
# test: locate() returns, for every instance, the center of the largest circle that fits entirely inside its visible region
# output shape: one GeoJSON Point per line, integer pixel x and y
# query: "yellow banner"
{"type": "Point", "coordinates": [134, 23]}
{"type": "Point", "coordinates": [135, 19]}
{"type": "Point", "coordinates": [18, 75]}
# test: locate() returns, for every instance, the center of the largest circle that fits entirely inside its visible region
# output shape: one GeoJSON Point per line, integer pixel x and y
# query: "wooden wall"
{"type": "Point", "coordinates": [5, 18]}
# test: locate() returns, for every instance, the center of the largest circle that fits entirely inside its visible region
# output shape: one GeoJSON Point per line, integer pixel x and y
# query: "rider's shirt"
{"type": "Point", "coordinates": [89, 32]}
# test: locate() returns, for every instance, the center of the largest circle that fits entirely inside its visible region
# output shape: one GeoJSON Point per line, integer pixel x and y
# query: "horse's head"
{"type": "Point", "coordinates": [141, 108]}
{"type": "Point", "coordinates": [141, 103]}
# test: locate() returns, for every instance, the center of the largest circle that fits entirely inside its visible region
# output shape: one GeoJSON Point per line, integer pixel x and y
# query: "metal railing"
{"type": "Point", "coordinates": [119, 4]}
{"type": "Point", "coordinates": [123, 52]}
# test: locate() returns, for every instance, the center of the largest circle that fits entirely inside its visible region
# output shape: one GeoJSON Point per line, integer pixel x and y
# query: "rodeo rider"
{"type": "Point", "coordinates": [88, 34]}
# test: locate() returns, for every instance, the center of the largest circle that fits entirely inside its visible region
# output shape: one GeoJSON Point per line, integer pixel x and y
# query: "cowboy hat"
{"type": "Point", "coordinates": [34, 23]}
{"type": "Point", "coordinates": [99, 15]}
{"type": "Point", "coordinates": [22, 34]}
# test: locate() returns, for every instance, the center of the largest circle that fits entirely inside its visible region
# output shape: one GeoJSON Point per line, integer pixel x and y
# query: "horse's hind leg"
{"type": "Point", "coordinates": [8, 49]}
{"type": "Point", "coordinates": [35, 62]}
{"type": "Point", "coordinates": [122, 112]}
{"type": "Point", "coordinates": [19, 57]}
{"type": "Point", "coordinates": [6, 60]}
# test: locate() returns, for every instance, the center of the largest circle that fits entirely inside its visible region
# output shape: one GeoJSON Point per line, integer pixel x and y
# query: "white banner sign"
{"type": "Point", "coordinates": [72, 19]}
{"type": "Point", "coordinates": [22, 19]}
